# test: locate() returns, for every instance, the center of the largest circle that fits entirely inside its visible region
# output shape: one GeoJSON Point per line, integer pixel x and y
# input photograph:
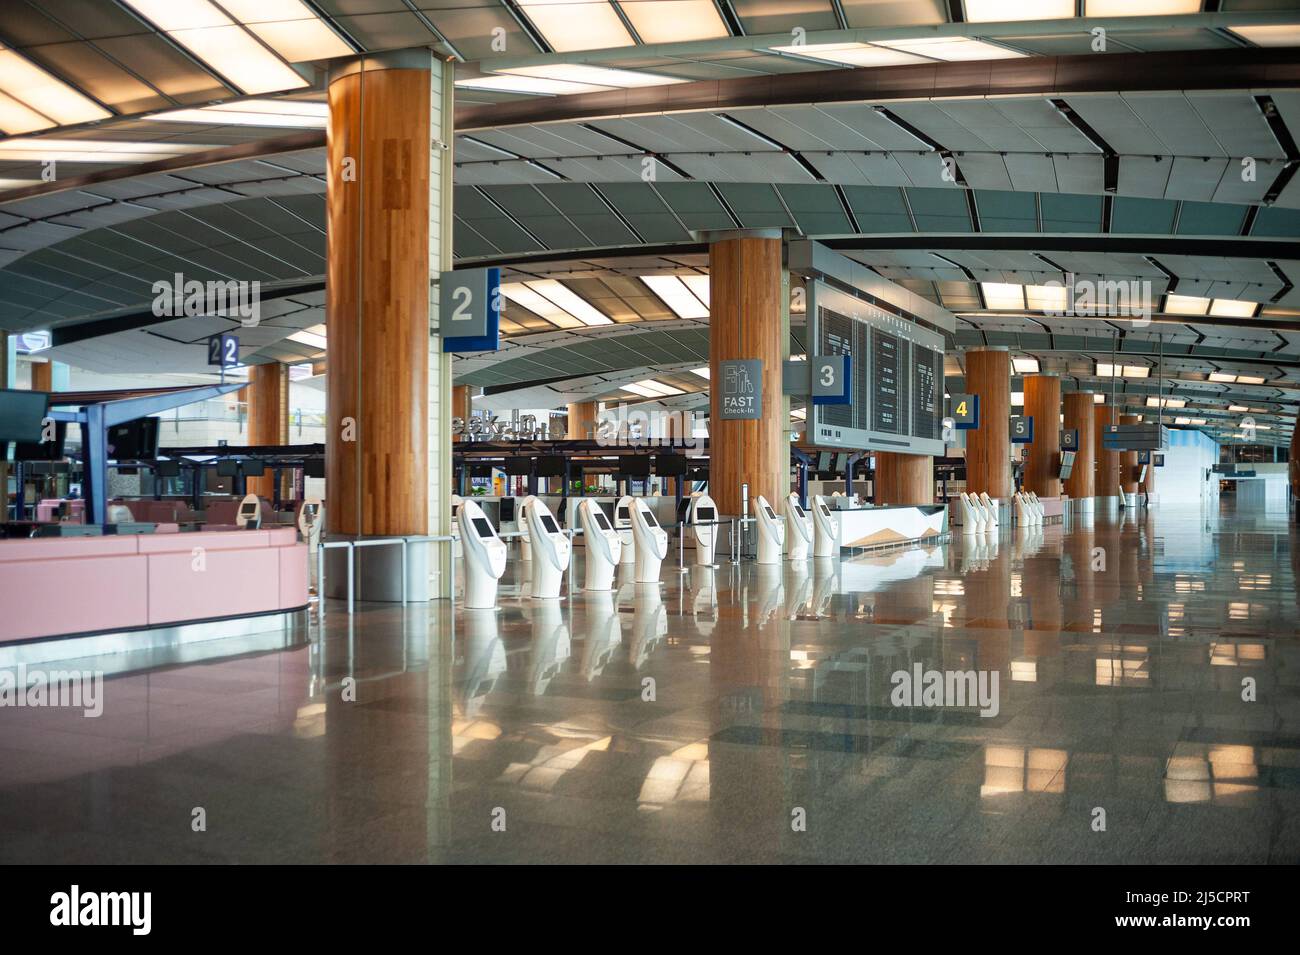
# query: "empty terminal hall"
{"type": "Point", "coordinates": [652, 432]}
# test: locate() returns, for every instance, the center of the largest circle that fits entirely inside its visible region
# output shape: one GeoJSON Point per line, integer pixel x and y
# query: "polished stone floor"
{"type": "Point", "coordinates": [732, 715]}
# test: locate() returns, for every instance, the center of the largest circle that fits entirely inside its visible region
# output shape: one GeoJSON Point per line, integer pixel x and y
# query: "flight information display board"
{"type": "Point", "coordinates": [896, 385]}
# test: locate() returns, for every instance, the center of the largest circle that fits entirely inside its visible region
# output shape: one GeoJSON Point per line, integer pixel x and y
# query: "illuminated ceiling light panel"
{"type": "Point", "coordinates": [1046, 298]}
{"type": "Point", "coordinates": [951, 48]}
{"type": "Point", "coordinates": [1198, 421]}
{"type": "Point", "coordinates": [1098, 399]}
{"type": "Point", "coordinates": [16, 118]}
{"type": "Point", "coordinates": [799, 413]}
{"type": "Point", "coordinates": [1186, 305]}
{"type": "Point", "coordinates": [531, 85]}
{"type": "Point", "coordinates": [1263, 427]}
{"type": "Point", "coordinates": [521, 294]}
{"type": "Point", "coordinates": [313, 336]}
{"type": "Point", "coordinates": [1167, 402]}
{"type": "Point", "coordinates": [1249, 380]}
{"type": "Point", "coordinates": [699, 285]}
{"type": "Point", "coordinates": [289, 28]}
{"type": "Point", "coordinates": [1232, 308]}
{"type": "Point", "coordinates": [219, 42]}
{"type": "Point", "coordinates": [569, 26]}
{"type": "Point", "coordinates": [673, 293]}
{"type": "Point", "coordinates": [261, 112]}
{"type": "Point", "coordinates": [1273, 34]}
{"type": "Point", "coordinates": [593, 75]}
{"type": "Point", "coordinates": [1241, 408]}
{"type": "Point", "coordinates": [1223, 377]}
{"type": "Point", "coordinates": [1182, 421]}
{"type": "Point", "coordinates": [1005, 11]}
{"type": "Point", "coordinates": [1025, 366]}
{"type": "Point", "coordinates": [91, 150]}
{"type": "Point", "coordinates": [649, 388]}
{"type": "Point", "coordinates": [17, 183]}
{"type": "Point", "coordinates": [852, 54]}
{"type": "Point", "coordinates": [1137, 371]}
{"type": "Point", "coordinates": [1001, 295]}
{"type": "Point", "coordinates": [674, 21]}
{"type": "Point", "coordinates": [1139, 8]}
{"type": "Point", "coordinates": [702, 372]}
{"type": "Point", "coordinates": [29, 85]}
{"type": "Point", "coordinates": [1107, 370]}
{"type": "Point", "coordinates": [564, 297]}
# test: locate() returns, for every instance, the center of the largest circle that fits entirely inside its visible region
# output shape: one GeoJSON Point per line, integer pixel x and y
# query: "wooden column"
{"type": "Point", "coordinates": [988, 447]}
{"type": "Point", "coordinates": [582, 420]}
{"type": "Point", "coordinates": [1128, 461]}
{"type": "Point", "coordinates": [1082, 482]}
{"type": "Point", "coordinates": [746, 321]}
{"type": "Point", "coordinates": [268, 415]}
{"type": "Point", "coordinates": [42, 376]}
{"type": "Point", "coordinates": [461, 407]}
{"type": "Point", "coordinates": [1107, 484]}
{"type": "Point", "coordinates": [378, 154]}
{"type": "Point", "coordinates": [1149, 485]}
{"type": "Point", "coordinates": [904, 478]}
{"type": "Point", "coordinates": [1292, 469]}
{"type": "Point", "coordinates": [1043, 454]}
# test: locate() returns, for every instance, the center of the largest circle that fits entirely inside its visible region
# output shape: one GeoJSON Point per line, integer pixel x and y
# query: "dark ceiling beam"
{"type": "Point", "coordinates": [1246, 69]}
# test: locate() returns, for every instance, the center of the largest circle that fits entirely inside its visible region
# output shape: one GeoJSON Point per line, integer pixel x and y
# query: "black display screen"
{"type": "Point", "coordinates": [549, 525]}
{"type": "Point", "coordinates": [601, 521]}
{"type": "Point", "coordinates": [798, 510]}
{"type": "Point", "coordinates": [706, 514]}
{"type": "Point", "coordinates": [623, 515]}
{"type": "Point", "coordinates": [650, 518]}
{"type": "Point", "coordinates": [826, 510]}
{"type": "Point", "coordinates": [768, 511]}
{"type": "Point", "coordinates": [482, 526]}
{"type": "Point", "coordinates": [248, 509]}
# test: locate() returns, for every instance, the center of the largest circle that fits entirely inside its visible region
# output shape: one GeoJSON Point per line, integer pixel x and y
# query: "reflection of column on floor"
{"type": "Point", "coordinates": [988, 603]}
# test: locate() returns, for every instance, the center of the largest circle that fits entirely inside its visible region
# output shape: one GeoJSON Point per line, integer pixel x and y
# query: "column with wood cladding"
{"type": "Point", "coordinates": [268, 416]}
{"type": "Point", "coordinates": [904, 478]}
{"type": "Point", "coordinates": [1043, 454]}
{"type": "Point", "coordinates": [1107, 484]}
{"type": "Point", "coordinates": [1082, 482]}
{"type": "Point", "coordinates": [988, 447]}
{"type": "Point", "coordinates": [581, 424]}
{"type": "Point", "coordinates": [748, 320]}
{"type": "Point", "coordinates": [463, 408]}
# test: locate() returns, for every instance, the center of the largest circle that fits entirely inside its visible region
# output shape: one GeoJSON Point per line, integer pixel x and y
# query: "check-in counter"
{"type": "Point", "coordinates": [881, 526]}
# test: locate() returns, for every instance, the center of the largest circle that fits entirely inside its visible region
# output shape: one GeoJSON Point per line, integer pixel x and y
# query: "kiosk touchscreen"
{"type": "Point", "coordinates": [826, 529]}
{"type": "Point", "coordinates": [485, 556]}
{"type": "Point", "coordinates": [603, 546]}
{"type": "Point", "coordinates": [650, 540]}
{"type": "Point", "coordinates": [623, 524]}
{"type": "Point", "coordinates": [800, 528]}
{"type": "Point", "coordinates": [550, 549]}
{"type": "Point", "coordinates": [525, 545]}
{"type": "Point", "coordinates": [702, 518]}
{"type": "Point", "coordinates": [771, 533]}
{"type": "Point", "coordinates": [249, 517]}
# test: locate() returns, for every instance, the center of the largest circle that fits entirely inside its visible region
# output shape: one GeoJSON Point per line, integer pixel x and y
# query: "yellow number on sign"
{"type": "Point", "coordinates": [961, 410]}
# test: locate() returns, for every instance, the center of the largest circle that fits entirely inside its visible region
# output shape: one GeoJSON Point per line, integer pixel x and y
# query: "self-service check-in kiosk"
{"type": "Point", "coordinates": [702, 518]}
{"type": "Point", "coordinates": [623, 524]}
{"type": "Point", "coordinates": [311, 520]}
{"type": "Point", "coordinates": [249, 516]}
{"type": "Point", "coordinates": [485, 556]}
{"type": "Point", "coordinates": [603, 546]}
{"type": "Point", "coordinates": [771, 533]}
{"type": "Point", "coordinates": [550, 548]}
{"type": "Point", "coordinates": [826, 529]}
{"type": "Point", "coordinates": [800, 528]}
{"type": "Point", "coordinates": [525, 540]}
{"type": "Point", "coordinates": [651, 542]}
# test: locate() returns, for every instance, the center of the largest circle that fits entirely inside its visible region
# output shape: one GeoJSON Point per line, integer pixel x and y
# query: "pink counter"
{"type": "Point", "coordinates": [64, 585]}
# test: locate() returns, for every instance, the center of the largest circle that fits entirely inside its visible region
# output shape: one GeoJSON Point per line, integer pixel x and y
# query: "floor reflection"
{"type": "Point", "coordinates": [1147, 663]}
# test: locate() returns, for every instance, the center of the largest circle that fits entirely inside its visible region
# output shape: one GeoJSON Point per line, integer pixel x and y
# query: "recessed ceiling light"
{"type": "Point", "coordinates": [1004, 11]}
{"type": "Point", "coordinates": [1186, 305]}
{"type": "Point", "coordinates": [1046, 298]}
{"type": "Point", "coordinates": [289, 28]}
{"type": "Point", "coordinates": [569, 26]}
{"type": "Point", "coordinates": [852, 54]}
{"type": "Point", "coordinates": [951, 48]}
{"type": "Point", "coordinates": [674, 293]}
{"type": "Point", "coordinates": [699, 286]}
{"type": "Point", "coordinates": [1139, 8]}
{"type": "Point", "coordinates": [539, 305]}
{"type": "Point", "coordinates": [1167, 402]}
{"type": "Point", "coordinates": [218, 41]}
{"type": "Point", "coordinates": [1222, 377]}
{"type": "Point", "coordinates": [1025, 366]}
{"type": "Point", "coordinates": [592, 75]}
{"type": "Point", "coordinates": [41, 149]}
{"type": "Point", "coordinates": [650, 388]}
{"type": "Point", "coordinates": [702, 371]}
{"type": "Point", "coordinates": [1241, 408]}
{"type": "Point", "coordinates": [259, 112]}
{"type": "Point", "coordinates": [531, 85]}
{"type": "Point", "coordinates": [33, 99]}
{"type": "Point", "coordinates": [571, 302]}
{"type": "Point", "coordinates": [1098, 399]}
{"type": "Point", "coordinates": [1233, 308]}
{"type": "Point", "coordinates": [314, 336]}
{"type": "Point", "coordinates": [1249, 380]}
{"type": "Point", "coordinates": [1272, 34]}
{"type": "Point", "coordinates": [675, 21]}
{"type": "Point", "coordinates": [1003, 295]}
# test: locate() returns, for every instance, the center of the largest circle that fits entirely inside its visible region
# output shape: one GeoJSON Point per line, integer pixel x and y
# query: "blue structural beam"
{"type": "Point", "coordinates": [95, 420]}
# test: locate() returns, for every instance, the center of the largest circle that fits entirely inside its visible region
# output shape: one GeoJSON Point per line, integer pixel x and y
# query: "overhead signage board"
{"type": "Point", "coordinates": [469, 310]}
{"type": "Point", "coordinates": [740, 395]}
{"type": "Point", "coordinates": [965, 412]}
{"type": "Point", "coordinates": [1022, 429]}
{"type": "Point", "coordinates": [1069, 439]}
{"type": "Point", "coordinates": [223, 350]}
{"type": "Point", "coordinates": [830, 376]}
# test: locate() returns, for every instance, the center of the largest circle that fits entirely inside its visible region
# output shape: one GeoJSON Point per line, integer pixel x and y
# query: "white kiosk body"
{"type": "Point", "coordinates": [603, 547]}
{"type": "Point", "coordinates": [651, 542]}
{"type": "Point", "coordinates": [485, 556]}
{"type": "Point", "coordinates": [702, 516]}
{"type": "Point", "coordinates": [311, 520]}
{"type": "Point", "coordinates": [623, 524]}
{"type": "Point", "coordinates": [521, 518]}
{"type": "Point", "coordinates": [550, 548]}
{"type": "Point", "coordinates": [771, 533]}
{"type": "Point", "coordinates": [800, 533]}
{"type": "Point", "coordinates": [826, 527]}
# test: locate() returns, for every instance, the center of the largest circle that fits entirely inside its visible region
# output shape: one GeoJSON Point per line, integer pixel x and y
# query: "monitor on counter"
{"type": "Point", "coordinates": [634, 466]}
{"type": "Point", "coordinates": [518, 467]}
{"type": "Point", "coordinates": [507, 510]}
{"type": "Point", "coordinates": [550, 465]}
{"type": "Point", "coordinates": [671, 465]}
{"type": "Point", "coordinates": [313, 468]}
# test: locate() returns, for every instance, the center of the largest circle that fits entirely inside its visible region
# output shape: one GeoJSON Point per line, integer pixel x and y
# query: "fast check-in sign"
{"type": "Point", "coordinates": [740, 391]}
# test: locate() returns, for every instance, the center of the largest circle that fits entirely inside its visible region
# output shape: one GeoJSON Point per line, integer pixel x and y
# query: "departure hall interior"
{"type": "Point", "coordinates": [649, 431]}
